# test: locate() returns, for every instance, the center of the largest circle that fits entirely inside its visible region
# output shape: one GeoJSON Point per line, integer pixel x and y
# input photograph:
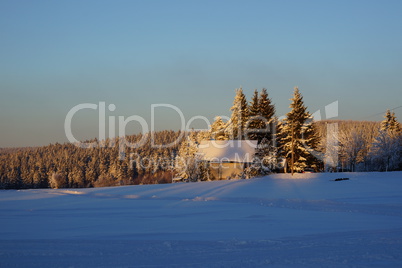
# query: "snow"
{"type": "Point", "coordinates": [227, 150]}
{"type": "Point", "coordinates": [307, 220]}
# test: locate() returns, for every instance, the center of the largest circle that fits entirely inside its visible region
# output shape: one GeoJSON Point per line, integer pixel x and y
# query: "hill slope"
{"type": "Point", "coordinates": [308, 220]}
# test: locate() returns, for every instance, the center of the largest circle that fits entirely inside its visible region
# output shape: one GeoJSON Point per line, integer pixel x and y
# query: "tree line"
{"type": "Point", "coordinates": [297, 141]}
{"type": "Point", "coordinates": [363, 145]}
{"type": "Point", "coordinates": [69, 166]}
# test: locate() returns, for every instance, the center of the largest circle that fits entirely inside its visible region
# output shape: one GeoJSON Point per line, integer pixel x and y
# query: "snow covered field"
{"type": "Point", "coordinates": [273, 221]}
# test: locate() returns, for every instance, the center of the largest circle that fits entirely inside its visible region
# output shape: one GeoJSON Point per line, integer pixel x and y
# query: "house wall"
{"type": "Point", "coordinates": [222, 171]}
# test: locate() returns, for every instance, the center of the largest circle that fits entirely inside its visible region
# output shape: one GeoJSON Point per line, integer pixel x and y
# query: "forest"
{"type": "Point", "coordinates": [325, 146]}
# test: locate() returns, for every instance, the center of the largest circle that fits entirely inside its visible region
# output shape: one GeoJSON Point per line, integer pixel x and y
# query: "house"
{"type": "Point", "coordinates": [227, 158]}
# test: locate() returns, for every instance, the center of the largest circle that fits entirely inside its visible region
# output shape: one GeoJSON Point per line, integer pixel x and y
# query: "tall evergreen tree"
{"type": "Point", "coordinates": [267, 112]}
{"type": "Point", "coordinates": [390, 123]}
{"type": "Point", "coordinates": [385, 124]}
{"type": "Point", "coordinates": [298, 136]}
{"type": "Point", "coordinates": [217, 131]}
{"type": "Point", "coordinates": [186, 161]}
{"type": "Point", "coordinates": [254, 123]}
{"type": "Point", "coordinates": [387, 147]}
{"type": "Point", "coordinates": [261, 117]}
{"type": "Point", "coordinates": [239, 118]}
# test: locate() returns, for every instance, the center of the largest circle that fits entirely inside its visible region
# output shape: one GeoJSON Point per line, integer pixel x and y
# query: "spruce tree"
{"type": "Point", "coordinates": [239, 118]}
{"type": "Point", "coordinates": [217, 131]}
{"type": "Point", "coordinates": [385, 124]}
{"type": "Point", "coordinates": [390, 123]}
{"type": "Point", "coordinates": [387, 147]}
{"type": "Point", "coordinates": [264, 161]}
{"type": "Point", "coordinates": [254, 123]}
{"type": "Point", "coordinates": [298, 136]}
{"type": "Point", "coordinates": [267, 112]}
{"type": "Point", "coordinates": [186, 161]}
{"type": "Point", "coordinates": [203, 172]}
{"type": "Point", "coordinates": [261, 117]}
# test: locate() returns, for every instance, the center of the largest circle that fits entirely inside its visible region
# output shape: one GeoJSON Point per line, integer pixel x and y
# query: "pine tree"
{"type": "Point", "coordinates": [395, 125]}
{"type": "Point", "coordinates": [298, 136]}
{"type": "Point", "coordinates": [390, 123]}
{"type": "Point", "coordinates": [387, 147]}
{"type": "Point", "coordinates": [268, 155]}
{"type": "Point", "coordinates": [385, 124]}
{"type": "Point", "coordinates": [92, 171]}
{"type": "Point", "coordinates": [57, 180]}
{"type": "Point", "coordinates": [186, 162]}
{"type": "Point", "coordinates": [217, 131]}
{"type": "Point", "coordinates": [122, 174]}
{"type": "Point", "coordinates": [254, 123]}
{"type": "Point", "coordinates": [262, 123]}
{"type": "Point", "coordinates": [203, 135]}
{"type": "Point", "coordinates": [203, 170]}
{"type": "Point", "coordinates": [239, 118]}
{"type": "Point", "coordinates": [264, 161]}
{"type": "Point", "coordinates": [267, 112]}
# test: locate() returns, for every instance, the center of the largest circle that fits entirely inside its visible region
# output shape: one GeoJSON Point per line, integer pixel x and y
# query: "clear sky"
{"type": "Point", "coordinates": [55, 55]}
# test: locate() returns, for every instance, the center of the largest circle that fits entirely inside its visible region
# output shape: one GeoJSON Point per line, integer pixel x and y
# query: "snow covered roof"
{"type": "Point", "coordinates": [227, 150]}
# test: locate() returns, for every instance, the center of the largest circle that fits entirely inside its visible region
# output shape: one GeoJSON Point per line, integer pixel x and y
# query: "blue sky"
{"type": "Point", "coordinates": [193, 55]}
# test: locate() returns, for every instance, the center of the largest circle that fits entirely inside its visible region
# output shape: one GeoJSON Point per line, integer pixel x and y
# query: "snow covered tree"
{"type": "Point", "coordinates": [390, 123]}
{"type": "Point", "coordinates": [264, 160]}
{"type": "Point", "coordinates": [203, 135]}
{"type": "Point", "coordinates": [267, 112]}
{"type": "Point", "coordinates": [261, 122]}
{"type": "Point", "coordinates": [352, 144]}
{"type": "Point", "coordinates": [76, 177]}
{"type": "Point", "coordinates": [189, 165]}
{"type": "Point", "coordinates": [255, 123]}
{"type": "Point", "coordinates": [387, 150]}
{"type": "Point", "coordinates": [57, 180]}
{"type": "Point", "coordinates": [186, 161]}
{"type": "Point", "coordinates": [239, 117]}
{"type": "Point", "coordinates": [387, 147]}
{"type": "Point", "coordinates": [217, 131]}
{"type": "Point", "coordinates": [92, 171]}
{"type": "Point", "coordinates": [298, 137]}
{"type": "Point", "coordinates": [203, 172]}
